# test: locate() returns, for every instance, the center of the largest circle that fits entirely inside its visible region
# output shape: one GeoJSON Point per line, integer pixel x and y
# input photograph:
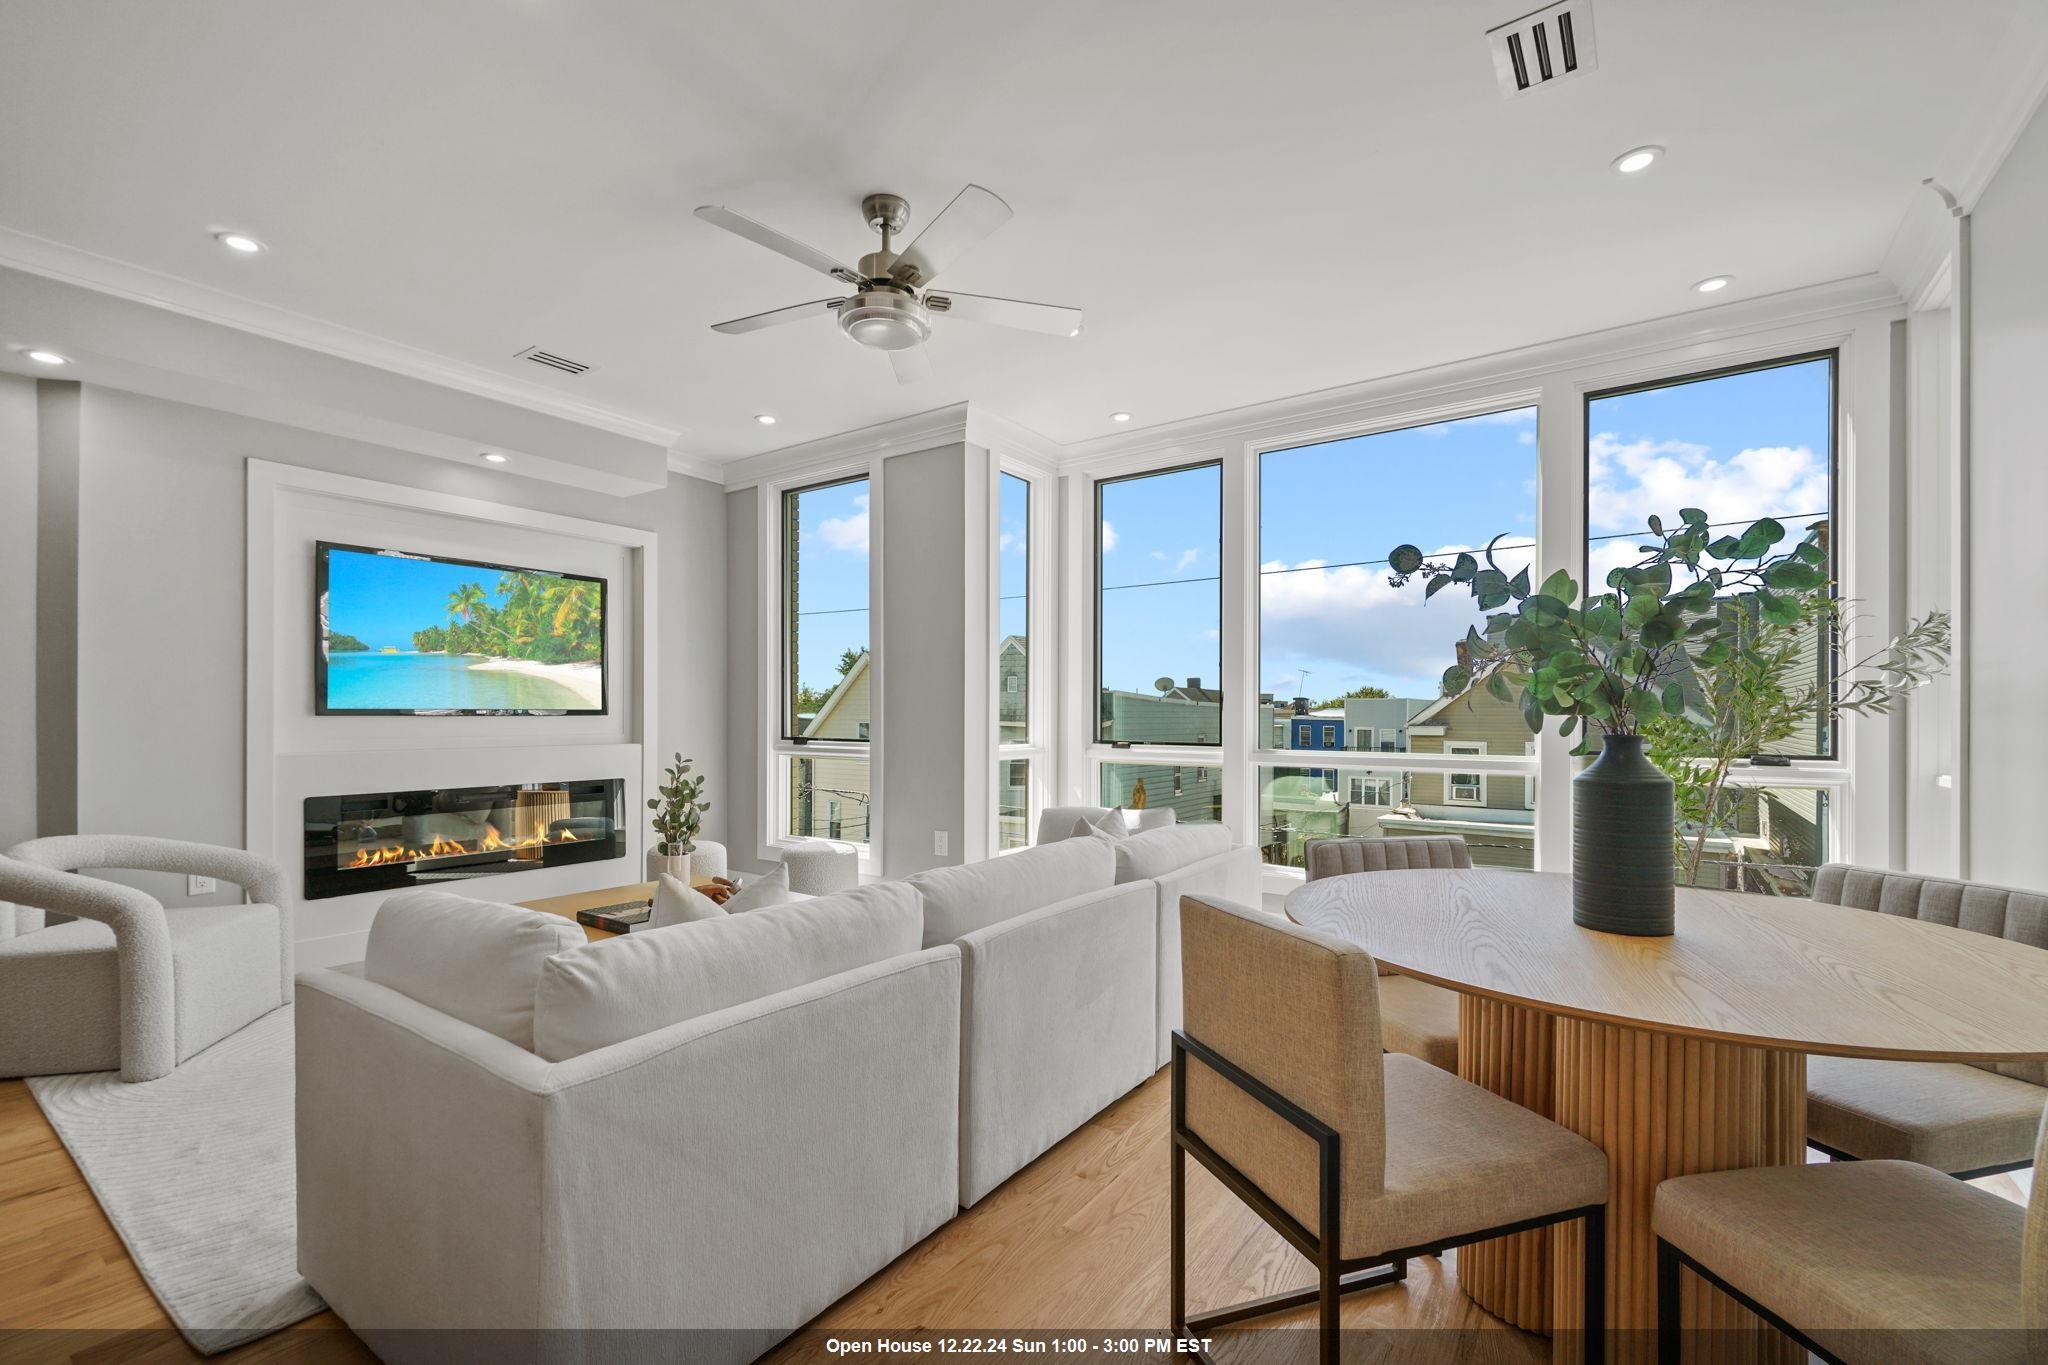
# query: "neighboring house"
{"type": "Point", "coordinates": [1178, 716]}
{"type": "Point", "coordinates": [1194, 790]}
{"type": "Point", "coordinates": [1013, 694]}
{"type": "Point", "coordinates": [829, 794]}
{"type": "Point", "coordinates": [1495, 813]}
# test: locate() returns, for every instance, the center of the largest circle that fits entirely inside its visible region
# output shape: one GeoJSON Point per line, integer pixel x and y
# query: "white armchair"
{"type": "Point", "coordinates": [127, 984]}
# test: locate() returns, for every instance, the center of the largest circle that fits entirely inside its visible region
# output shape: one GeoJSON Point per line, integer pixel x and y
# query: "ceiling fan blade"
{"type": "Point", "coordinates": [776, 317]}
{"type": "Point", "coordinates": [973, 215]}
{"type": "Point", "coordinates": [911, 365]}
{"type": "Point", "coordinates": [1032, 317]}
{"type": "Point", "coordinates": [782, 245]}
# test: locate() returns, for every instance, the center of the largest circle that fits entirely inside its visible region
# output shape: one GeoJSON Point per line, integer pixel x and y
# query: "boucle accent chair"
{"type": "Point", "coordinates": [1863, 1260]}
{"type": "Point", "coordinates": [1360, 1159]}
{"type": "Point", "coordinates": [1965, 1118]}
{"type": "Point", "coordinates": [127, 983]}
{"type": "Point", "coordinates": [1416, 1018]}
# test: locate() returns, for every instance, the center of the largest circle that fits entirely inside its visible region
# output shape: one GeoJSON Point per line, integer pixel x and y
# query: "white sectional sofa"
{"type": "Point", "coordinates": [719, 1126]}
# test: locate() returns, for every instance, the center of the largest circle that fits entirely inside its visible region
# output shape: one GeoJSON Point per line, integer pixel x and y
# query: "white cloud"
{"type": "Point", "coordinates": [848, 533]}
{"type": "Point", "coordinates": [1628, 481]}
{"type": "Point", "coordinates": [1348, 624]}
{"type": "Point", "coordinates": [1108, 536]}
{"type": "Point", "coordinates": [1526, 438]}
{"type": "Point", "coordinates": [1181, 565]}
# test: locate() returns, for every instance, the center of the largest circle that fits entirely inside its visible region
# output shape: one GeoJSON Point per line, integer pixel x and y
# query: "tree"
{"type": "Point", "coordinates": [847, 660]}
{"type": "Point", "coordinates": [1365, 693]}
{"type": "Point", "coordinates": [339, 643]}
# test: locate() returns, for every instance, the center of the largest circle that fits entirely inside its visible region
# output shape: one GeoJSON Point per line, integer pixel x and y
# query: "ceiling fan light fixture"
{"type": "Point", "coordinates": [885, 320]}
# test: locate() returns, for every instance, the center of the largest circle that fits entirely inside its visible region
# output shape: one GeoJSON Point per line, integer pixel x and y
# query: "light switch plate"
{"type": "Point", "coordinates": [200, 886]}
{"type": "Point", "coordinates": [939, 842]}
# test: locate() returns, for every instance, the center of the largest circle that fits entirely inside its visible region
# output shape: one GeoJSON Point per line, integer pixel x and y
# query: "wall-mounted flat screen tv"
{"type": "Point", "coordinates": [401, 634]}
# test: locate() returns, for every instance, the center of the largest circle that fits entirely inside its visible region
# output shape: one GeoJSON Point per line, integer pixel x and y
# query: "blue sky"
{"type": "Point", "coordinates": [1013, 540]}
{"type": "Point", "coordinates": [1741, 447]}
{"type": "Point", "coordinates": [832, 579]}
{"type": "Point", "coordinates": [383, 599]}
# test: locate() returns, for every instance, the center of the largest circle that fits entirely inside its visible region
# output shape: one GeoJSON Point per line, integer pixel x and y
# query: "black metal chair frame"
{"type": "Point", "coordinates": [1336, 1275]}
{"type": "Point", "coordinates": [1833, 1155]}
{"type": "Point", "coordinates": [1670, 1331]}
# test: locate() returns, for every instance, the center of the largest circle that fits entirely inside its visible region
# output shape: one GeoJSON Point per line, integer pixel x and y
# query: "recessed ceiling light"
{"type": "Point", "coordinates": [1636, 160]}
{"type": "Point", "coordinates": [239, 241]}
{"type": "Point", "coordinates": [1119, 417]}
{"type": "Point", "coordinates": [1076, 332]}
{"type": "Point", "coordinates": [766, 419]}
{"type": "Point", "coordinates": [1714, 284]}
{"type": "Point", "coordinates": [494, 457]}
{"type": "Point", "coordinates": [48, 358]}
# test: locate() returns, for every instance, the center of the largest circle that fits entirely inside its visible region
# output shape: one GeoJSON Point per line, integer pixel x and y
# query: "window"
{"type": "Point", "coordinates": [1013, 804]}
{"type": "Point", "coordinates": [1013, 608]}
{"type": "Point", "coordinates": [1740, 446]}
{"type": "Point", "coordinates": [1335, 637]}
{"type": "Point", "coordinates": [827, 673]}
{"type": "Point", "coordinates": [1195, 793]}
{"type": "Point", "coordinates": [1159, 607]}
{"type": "Point", "coordinates": [1467, 789]}
{"type": "Point", "coordinates": [1769, 840]}
{"type": "Point", "coordinates": [825, 611]}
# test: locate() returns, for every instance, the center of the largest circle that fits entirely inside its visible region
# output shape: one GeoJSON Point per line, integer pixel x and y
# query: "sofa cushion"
{"type": "Point", "coordinates": [959, 900]}
{"type": "Point", "coordinates": [607, 992]}
{"type": "Point", "coordinates": [475, 960]}
{"type": "Point", "coordinates": [677, 902]}
{"type": "Point", "coordinates": [1057, 822]}
{"type": "Point", "coordinates": [1152, 853]}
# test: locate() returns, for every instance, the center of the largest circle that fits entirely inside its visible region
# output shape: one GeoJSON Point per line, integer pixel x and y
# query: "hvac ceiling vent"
{"type": "Point", "coordinates": [552, 361]}
{"type": "Point", "coordinates": [1543, 48]}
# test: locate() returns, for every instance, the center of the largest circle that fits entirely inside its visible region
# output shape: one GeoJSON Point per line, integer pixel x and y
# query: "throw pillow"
{"type": "Point", "coordinates": [478, 961]}
{"type": "Point", "coordinates": [676, 902]}
{"type": "Point", "coordinates": [769, 889]}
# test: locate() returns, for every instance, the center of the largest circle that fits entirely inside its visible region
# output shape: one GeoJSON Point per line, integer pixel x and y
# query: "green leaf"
{"type": "Point", "coordinates": [1464, 569]}
{"type": "Point", "coordinates": [1532, 710]}
{"type": "Point", "coordinates": [1656, 524]}
{"type": "Point", "coordinates": [1569, 723]}
{"type": "Point", "coordinates": [1642, 607]}
{"type": "Point", "coordinates": [1456, 679]}
{"type": "Point", "coordinates": [1497, 687]}
{"type": "Point", "coordinates": [1560, 586]}
{"type": "Point", "coordinates": [1693, 517]}
{"type": "Point", "coordinates": [1725, 547]}
{"type": "Point", "coordinates": [1790, 575]}
{"type": "Point", "coordinates": [1657, 632]}
{"type": "Point", "coordinates": [1604, 621]}
{"type": "Point", "coordinates": [1674, 699]}
{"type": "Point", "coordinates": [1436, 584]}
{"type": "Point", "coordinates": [1758, 539]}
{"type": "Point", "coordinates": [1518, 586]}
{"type": "Point", "coordinates": [1546, 608]}
{"type": "Point", "coordinates": [1403, 559]}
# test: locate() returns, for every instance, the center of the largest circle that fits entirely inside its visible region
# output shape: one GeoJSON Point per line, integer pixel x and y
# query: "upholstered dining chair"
{"type": "Point", "coordinates": [1416, 1018]}
{"type": "Point", "coordinates": [1965, 1118]}
{"type": "Point", "coordinates": [126, 983]}
{"type": "Point", "coordinates": [1359, 1158]}
{"type": "Point", "coordinates": [1885, 1261]}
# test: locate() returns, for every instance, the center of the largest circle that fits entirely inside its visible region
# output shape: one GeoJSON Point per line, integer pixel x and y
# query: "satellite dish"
{"type": "Point", "coordinates": [1163, 684]}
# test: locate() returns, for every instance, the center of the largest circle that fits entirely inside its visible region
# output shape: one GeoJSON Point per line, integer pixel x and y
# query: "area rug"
{"type": "Point", "coordinates": [196, 1171]}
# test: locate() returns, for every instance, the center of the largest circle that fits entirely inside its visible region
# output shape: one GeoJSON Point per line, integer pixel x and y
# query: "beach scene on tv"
{"type": "Point", "coordinates": [406, 633]}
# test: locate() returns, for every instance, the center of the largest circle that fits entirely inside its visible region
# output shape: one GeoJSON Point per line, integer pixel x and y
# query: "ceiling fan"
{"type": "Point", "coordinates": [892, 306]}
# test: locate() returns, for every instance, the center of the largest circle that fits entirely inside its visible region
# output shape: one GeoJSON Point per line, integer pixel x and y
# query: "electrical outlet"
{"type": "Point", "coordinates": [200, 886]}
{"type": "Point", "coordinates": [939, 843]}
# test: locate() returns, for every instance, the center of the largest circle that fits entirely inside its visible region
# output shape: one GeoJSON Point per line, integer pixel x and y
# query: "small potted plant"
{"type": "Point", "coordinates": [678, 816]}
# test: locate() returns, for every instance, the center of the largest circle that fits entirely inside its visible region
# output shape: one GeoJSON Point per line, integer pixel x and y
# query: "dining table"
{"type": "Point", "coordinates": [1674, 1054]}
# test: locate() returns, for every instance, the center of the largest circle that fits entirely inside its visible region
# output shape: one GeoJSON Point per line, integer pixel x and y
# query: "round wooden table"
{"type": "Point", "coordinates": [1673, 1055]}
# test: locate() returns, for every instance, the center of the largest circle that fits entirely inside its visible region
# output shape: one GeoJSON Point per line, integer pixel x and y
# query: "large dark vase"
{"type": "Point", "coordinates": [1622, 871]}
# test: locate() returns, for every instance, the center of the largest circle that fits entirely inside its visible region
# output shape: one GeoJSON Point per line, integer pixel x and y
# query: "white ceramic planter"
{"type": "Point", "coordinates": [675, 865]}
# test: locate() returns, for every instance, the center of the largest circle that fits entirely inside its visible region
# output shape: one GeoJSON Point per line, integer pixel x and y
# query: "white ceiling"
{"type": "Point", "coordinates": [1249, 201]}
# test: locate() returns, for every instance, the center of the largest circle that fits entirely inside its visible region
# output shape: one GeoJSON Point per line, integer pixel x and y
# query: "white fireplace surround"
{"type": "Point", "coordinates": [292, 753]}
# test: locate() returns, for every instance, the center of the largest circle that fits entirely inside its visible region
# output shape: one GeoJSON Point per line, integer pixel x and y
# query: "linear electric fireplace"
{"type": "Point", "coordinates": [373, 841]}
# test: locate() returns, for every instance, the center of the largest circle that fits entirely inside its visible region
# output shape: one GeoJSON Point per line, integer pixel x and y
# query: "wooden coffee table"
{"type": "Point", "coordinates": [567, 906]}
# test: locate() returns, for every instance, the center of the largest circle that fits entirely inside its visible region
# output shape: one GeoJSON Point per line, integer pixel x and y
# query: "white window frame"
{"type": "Point", "coordinates": [1042, 578]}
{"type": "Point", "coordinates": [1556, 377]}
{"type": "Point", "coordinates": [781, 752]}
{"type": "Point", "coordinates": [1464, 748]}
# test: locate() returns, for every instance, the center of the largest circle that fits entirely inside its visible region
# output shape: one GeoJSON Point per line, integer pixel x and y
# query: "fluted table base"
{"type": "Point", "coordinates": [1659, 1105]}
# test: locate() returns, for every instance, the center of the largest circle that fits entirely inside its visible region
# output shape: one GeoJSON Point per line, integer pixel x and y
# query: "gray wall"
{"type": "Point", "coordinates": [17, 609]}
{"type": "Point", "coordinates": [2009, 493]}
{"type": "Point", "coordinates": [746, 617]}
{"type": "Point", "coordinates": [160, 615]}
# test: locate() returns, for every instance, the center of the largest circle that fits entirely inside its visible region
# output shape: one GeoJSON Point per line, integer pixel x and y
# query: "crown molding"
{"type": "Point", "coordinates": [2014, 87]}
{"type": "Point", "coordinates": [696, 466]}
{"type": "Point", "coordinates": [1464, 387]}
{"type": "Point", "coordinates": [919, 431]}
{"type": "Point", "coordinates": [71, 265]}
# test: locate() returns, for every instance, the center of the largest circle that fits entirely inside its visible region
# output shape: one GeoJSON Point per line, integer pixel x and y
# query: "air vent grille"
{"type": "Point", "coordinates": [553, 361]}
{"type": "Point", "coordinates": [1544, 47]}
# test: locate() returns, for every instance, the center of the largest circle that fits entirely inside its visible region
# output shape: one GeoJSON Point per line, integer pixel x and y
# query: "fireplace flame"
{"type": "Point", "coordinates": [441, 846]}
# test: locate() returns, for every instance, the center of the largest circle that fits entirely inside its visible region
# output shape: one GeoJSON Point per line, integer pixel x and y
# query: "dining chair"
{"type": "Point", "coordinates": [1886, 1261]}
{"type": "Point", "coordinates": [1416, 1018]}
{"type": "Point", "coordinates": [1358, 1158]}
{"type": "Point", "coordinates": [1967, 1119]}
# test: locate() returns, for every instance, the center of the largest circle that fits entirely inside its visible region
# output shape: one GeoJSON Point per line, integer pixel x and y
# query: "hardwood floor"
{"type": "Point", "coordinates": [1075, 1242]}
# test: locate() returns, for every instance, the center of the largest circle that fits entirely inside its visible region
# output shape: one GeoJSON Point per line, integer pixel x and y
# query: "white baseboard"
{"type": "Point", "coordinates": [333, 950]}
